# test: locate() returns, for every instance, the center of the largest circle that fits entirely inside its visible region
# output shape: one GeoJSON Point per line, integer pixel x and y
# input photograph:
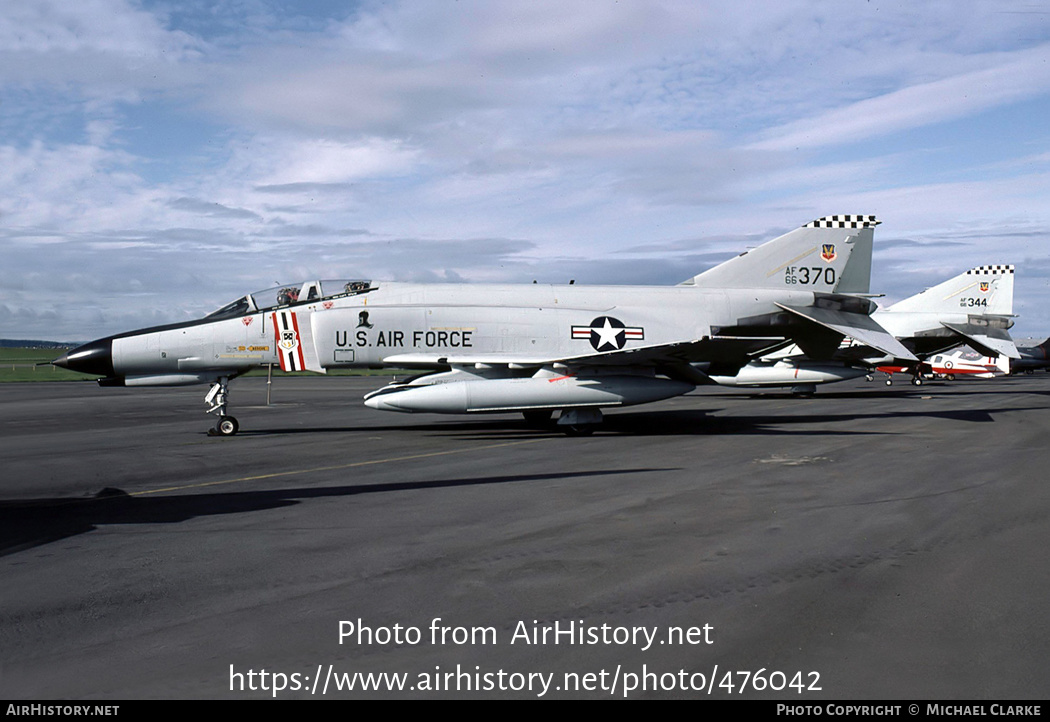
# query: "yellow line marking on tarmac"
{"type": "Point", "coordinates": [297, 472]}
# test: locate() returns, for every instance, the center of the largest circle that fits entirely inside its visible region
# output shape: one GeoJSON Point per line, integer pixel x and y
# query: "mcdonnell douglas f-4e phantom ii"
{"type": "Point", "coordinates": [529, 348]}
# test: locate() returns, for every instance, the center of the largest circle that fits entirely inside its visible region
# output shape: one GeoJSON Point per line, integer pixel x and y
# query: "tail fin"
{"type": "Point", "coordinates": [1002, 364]}
{"type": "Point", "coordinates": [983, 291]}
{"type": "Point", "coordinates": [831, 254]}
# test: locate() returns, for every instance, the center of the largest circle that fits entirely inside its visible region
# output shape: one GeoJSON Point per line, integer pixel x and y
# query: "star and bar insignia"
{"type": "Point", "coordinates": [608, 334]}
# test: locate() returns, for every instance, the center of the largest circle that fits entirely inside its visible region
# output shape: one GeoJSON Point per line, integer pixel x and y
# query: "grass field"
{"type": "Point", "coordinates": [20, 364]}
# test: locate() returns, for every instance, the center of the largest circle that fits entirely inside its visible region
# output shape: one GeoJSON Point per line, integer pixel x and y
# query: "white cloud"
{"type": "Point", "coordinates": [96, 26]}
{"type": "Point", "coordinates": [326, 161]}
{"type": "Point", "coordinates": [65, 188]}
{"type": "Point", "coordinates": [107, 48]}
{"type": "Point", "coordinates": [1016, 77]}
{"type": "Point", "coordinates": [195, 152]}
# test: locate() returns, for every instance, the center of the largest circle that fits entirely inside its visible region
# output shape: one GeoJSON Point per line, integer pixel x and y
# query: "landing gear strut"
{"type": "Point", "coordinates": [579, 422]}
{"type": "Point", "coordinates": [219, 396]}
{"type": "Point", "coordinates": [537, 418]}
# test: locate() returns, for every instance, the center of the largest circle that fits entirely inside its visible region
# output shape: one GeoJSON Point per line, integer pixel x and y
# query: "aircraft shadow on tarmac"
{"type": "Point", "coordinates": [902, 391]}
{"type": "Point", "coordinates": [25, 524]}
{"type": "Point", "coordinates": [685, 422]}
{"type": "Point", "coordinates": [672, 423]}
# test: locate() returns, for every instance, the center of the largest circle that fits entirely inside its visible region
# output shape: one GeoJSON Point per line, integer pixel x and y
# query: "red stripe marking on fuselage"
{"type": "Point", "coordinates": [298, 341]}
{"type": "Point", "coordinates": [281, 355]}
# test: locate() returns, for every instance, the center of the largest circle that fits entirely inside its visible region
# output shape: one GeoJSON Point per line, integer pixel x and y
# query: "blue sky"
{"type": "Point", "coordinates": [158, 159]}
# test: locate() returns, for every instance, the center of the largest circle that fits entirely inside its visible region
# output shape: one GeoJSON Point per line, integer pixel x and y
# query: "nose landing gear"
{"type": "Point", "coordinates": [219, 396]}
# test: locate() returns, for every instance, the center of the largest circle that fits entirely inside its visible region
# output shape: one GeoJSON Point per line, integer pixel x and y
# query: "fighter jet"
{"type": "Point", "coordinates": [1033, 356]}
{"type": "Point", "coordinates": [533, 348]}
{"type": "Point", "coordinates": [975, 308]}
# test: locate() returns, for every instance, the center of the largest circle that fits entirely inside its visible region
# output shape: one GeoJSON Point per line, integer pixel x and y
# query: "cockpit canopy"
{"type": "Point", "coordinates": [290, 295]}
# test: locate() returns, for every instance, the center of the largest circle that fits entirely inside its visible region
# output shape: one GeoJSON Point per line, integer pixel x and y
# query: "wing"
{"type": "Point", "coordinates": [988, 340]}
{"type": "Point", "coordinates": [854, 325]}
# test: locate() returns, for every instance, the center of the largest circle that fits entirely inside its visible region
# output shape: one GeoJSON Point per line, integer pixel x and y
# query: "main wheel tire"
{"type": "Point", "coordinates": [227, 426]}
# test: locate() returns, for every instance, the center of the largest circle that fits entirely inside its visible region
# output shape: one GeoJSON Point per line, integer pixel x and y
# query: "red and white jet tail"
{"type": "Point", "coordinates": [964, 362]}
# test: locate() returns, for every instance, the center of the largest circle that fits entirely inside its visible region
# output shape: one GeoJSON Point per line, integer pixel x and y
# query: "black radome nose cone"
{"type": "Point", "coordinates": [91, 358]}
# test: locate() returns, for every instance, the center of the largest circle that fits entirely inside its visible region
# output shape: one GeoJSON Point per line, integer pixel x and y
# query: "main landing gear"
{"type": "Point", "coordinates": [572, 422]}
{"type": "Point", "coordinates": [579, 422]}
{"type": "Point", "coordinates": [915, 380]}
{"type": "Point", "coordinates": [219, 396]}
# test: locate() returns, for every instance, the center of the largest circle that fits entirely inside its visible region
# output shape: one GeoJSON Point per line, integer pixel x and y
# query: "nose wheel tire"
{"type": "Point", "coordinates": [226, 426]}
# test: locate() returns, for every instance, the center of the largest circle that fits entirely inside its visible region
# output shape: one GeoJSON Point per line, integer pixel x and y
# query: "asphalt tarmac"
{"type": "Point", "coordinates": [871, 542]}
